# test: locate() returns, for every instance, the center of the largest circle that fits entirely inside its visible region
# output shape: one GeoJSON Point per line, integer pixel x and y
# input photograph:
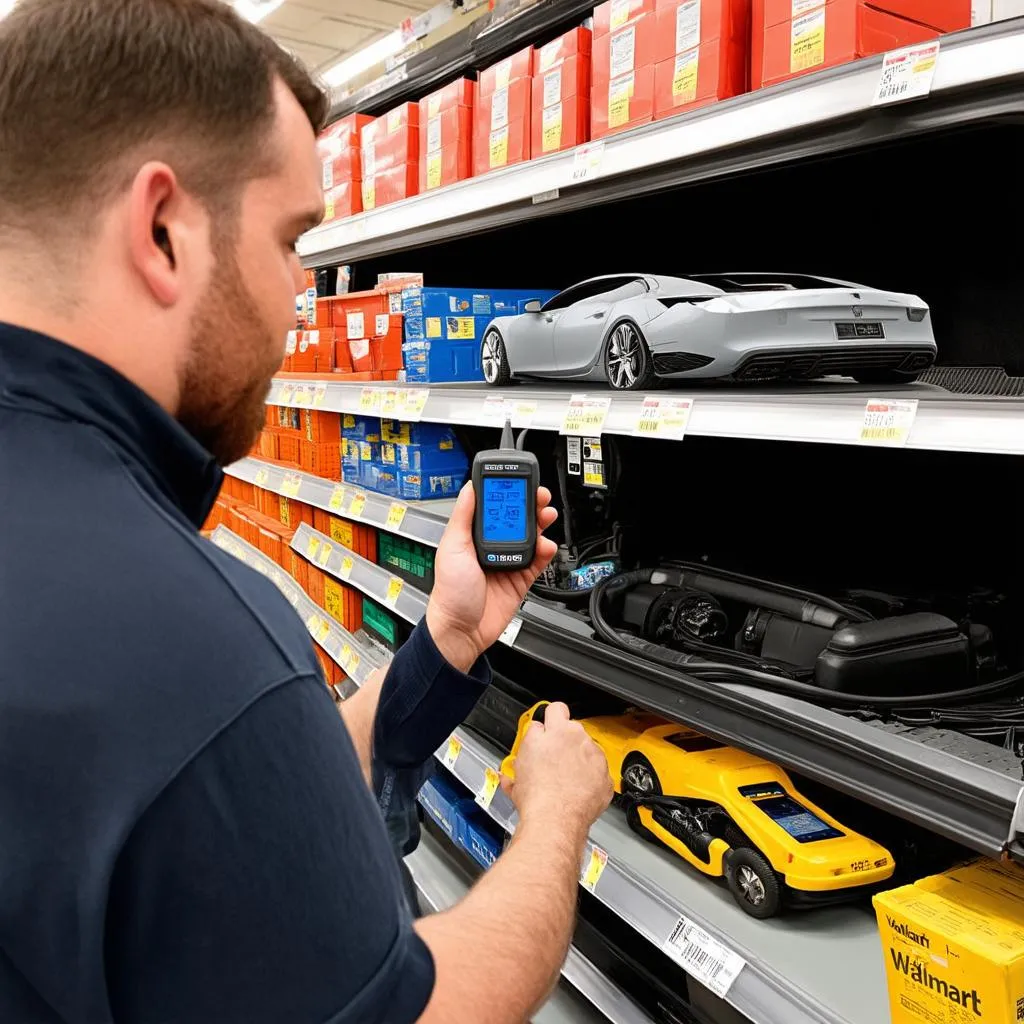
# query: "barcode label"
{"type": "Point", "coordinates": [705, 958]}
{"type": "Point", "coordinates": [907, 74]}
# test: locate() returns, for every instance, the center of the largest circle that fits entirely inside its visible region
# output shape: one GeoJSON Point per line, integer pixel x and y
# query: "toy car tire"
{"type": "Point", "coordinates": [753, 883]}
{"type": "Point", "coordinates": [637, 761]}
{"type": "Point", "coordinates": [628, 365]}
{"type": "Point", "coordinates": [494, 359]}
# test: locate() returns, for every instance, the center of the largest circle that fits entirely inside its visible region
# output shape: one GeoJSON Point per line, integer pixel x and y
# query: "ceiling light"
{"type": "Point", "coordinates": [364, 59]}
{"type": "Point", "coordinates": [251, 10]}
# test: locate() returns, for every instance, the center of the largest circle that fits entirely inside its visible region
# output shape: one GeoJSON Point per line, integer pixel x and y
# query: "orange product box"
{"type": "Point", "coordinates": [293, 513]}
{"type": "Point", "coordinates": [391, 186]}
{"type": "Point", "coordinates": [288, 449]}
{"type": "Point", "coordinates": [322, 313]}
{"type": "Point", "coordinates": [315, 584]}
{"type": "Point", "coordinates": [576, 43]}
{"type": "Point", "coordinates": [325, 351]}
{"type": "Point", "coordinates": [942, 15]}
{"type": "Point", "coordinates": [446, 148]}
{"type": "Point", "coordinates": [338, 146]}
{"type": "Point", "coordinates": [342, 200]}
{"type": "Point", "coordinates": [326, 664]}
{"type": "Point", "coordinates": [246, 492]}
{"type": "Point", "coordinates": [359, 355]}
{"type": "Point", "coordinates": [267, 444]}
{"type": "Point", "coordinates": [615, 13]}
{"type": "Point", "coordinates": [685, 24]}
{"type": "Point", "coordinates": [824, 36]}
{"type": "Point", "coordinates": [297, 568]}
{"type": "Point", "coordinates": [455, 94]}
{"type": "Point", "coordinates": [269, 503]}
{"type": "Point", "coordinates": [321, 426]}
{"type": "Point", "coordinates": [560, 107]}
{"type": "Point", "coordinates": [321, 520]}
{"type": "Point", "coordinates": [622, 94]}
{"type": "Point", "coordinates": [334, 599]}
{"type": "Point", "coordinates": [501, 133]}
{"type": "Point", "coordinates": [270, 544]}
{"type": "Point", "coordinates": [342, 357]}
{"type": "Point", "coordinates": [386, 352]}
{"type": "Point", "coordinates": [306, 351]}
{"type": "Point", "coordinates": [323, 460]}
{"type": "Point", "coordinates": [391, 140]}
{"type": "Point", "coordinates": [500, 75]}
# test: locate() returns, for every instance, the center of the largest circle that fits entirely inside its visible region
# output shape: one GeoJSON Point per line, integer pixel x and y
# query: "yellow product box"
{"type": "Point", "coordinates": [954, 946]}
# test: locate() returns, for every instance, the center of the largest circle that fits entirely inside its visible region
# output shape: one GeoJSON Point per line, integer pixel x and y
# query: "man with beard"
{"type": "Point", "coordinates": [188, 835]}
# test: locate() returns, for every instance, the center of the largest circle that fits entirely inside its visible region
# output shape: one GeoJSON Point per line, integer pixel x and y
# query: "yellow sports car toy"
{"type": "Point", "coordinates": [729, 814]}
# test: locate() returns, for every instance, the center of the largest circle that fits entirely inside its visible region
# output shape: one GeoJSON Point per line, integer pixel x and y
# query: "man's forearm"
{"type": "Point", "coordinates": [359, 713]}
{"type": "Point", "coordinates": [523, 912]}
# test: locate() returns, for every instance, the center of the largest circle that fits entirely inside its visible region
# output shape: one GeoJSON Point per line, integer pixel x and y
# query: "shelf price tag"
{"type": "Point", "coordinates": [358, 504]}
{"type": "Point", "coordinates": [412, 403]}
{"type": "Point", "coordinates": [312, 547]}
{"type": "Point", "coordinates": [396, 515]}
{"type": "Point", "coordinates": [293, 596]}
{"type": "Point", "coordinates": [346, 567]}
{"type": "Point", "coordinates": [703, 956]}
{"type": "Point", "coordinates": [312, 623]}
{"type": "Point", "coordinates": [492, 780]}
{"type": "Point", "coordinates": [663, 417]}
{"type": "Point", "coordinates": [369, 400]}
{"type": "Point", "coordinates": [353, 664]}
{"type": "Point", "coordinates": [346, 656]}
{"type": "Point", "coordinates": [593, 868]}
{"type": "Point", "coordinates": [523, 413]}
{"type": "Point", "coordinates": [290, 485]}
{"type": "Point", "coordinates": [586, 162]}
{"type": "Point", "coordinates": [303, 396]}
{"type": "Point", "coordinates": [494, 411]}
{"type": "Point", "coordinates": [262, 476]}
{"type": "Point", "coordinates": [323, 631]}
{"type": "Point", "coordinates": [888, 421]}
{"type": "Point", "coordinates": [451, 755]}
{"type": "Point", "coordinates": [320, 395]}
{"type": "Point", "coordinates": [907, 73]}
{"type": "Point", "coordinates": [585, 414]}
{"type": "Point", "coordinates": [286, 393]}
{"type": "Point", "coordinates": [511, 631]}
{"type": "Point", "coordinates": [325, 554]}
{"type": "Point", "coordinates": [389, 404]}
{"type": "Point", "coordinates": [337, 499]}
{"type": "Point", "coordinates": [395, 585]}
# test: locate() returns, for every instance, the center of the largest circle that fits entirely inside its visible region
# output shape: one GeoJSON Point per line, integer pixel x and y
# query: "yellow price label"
{"type": "Point", "coordinates": [325, 554]}
{"type": "Point", "coordinates": [492, 780]}
{"type": "Point", "coordinates": [413, 403]}
{"type": "Point", "coordinates": [389, 403]}
{"type": "Point", "coordinates": [312, 622]}
{"type": "Point", "coordinates": [369, 400]}
{"type": "Point", "coordinates": [347, 565]}
{"type": "Point", "coordinates": [285, 397]}
{"type": "Point", "coordinates": [346, 656]}
{"type": "Point", "coordinates": [619, 95]}
{"type": "Point", "coordinates": [594, 868]}
{"type": "Point", "coordinates": [499, 148]}
{"type": "Point", "coordinates": [663, 417]}
{"type": "Point", "coordinates": [358, 504]}
{"type": "Point", "coordinates": [290, 485]}
{"type": "Point", "coordinates": [303, 396]}
{"type": "Point", "coordinates": [585, 415]}
{"type": "Point", "coordinates": [369, 193]}
{"type": "Point", "coordinates": [620, 13]}
{"type": "Point", "coordinates": [337, 499]}
{"type": "Point", "coordinates": [328, 206]}
{"type": "Point", "coordinates": [396, 515]}
{"type": "Point", "coordinates": [684, 80]}
{"type": "Point", "coordinates": [551, 138]}
{"type": "Point", "coordinates": [262, 476]}
{"type": "Point", "coordinates": [323, 632]}
{"type": "Point", "coordinates": [353, 664]}
{"type": "Point", "coordinates": [320, 395]}
{"type": "Point", "coordinates": [312, 547]}
{"type": "Point", "coordinates": [807, 41]}
{"type": "Point", "coordinates": [434, 170]}
{"type": "Point", "coordinates": [461, 328]}
{"type": "Point", "coordinates": [888, 421]}
{"type": "Point", "coordinates": [394, 589]}
{"type": "Point", "coordinates": [451, 755]}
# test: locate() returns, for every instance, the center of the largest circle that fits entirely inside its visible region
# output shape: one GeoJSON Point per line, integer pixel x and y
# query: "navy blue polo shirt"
{"type": "Point", "coordinates": [185, 833]}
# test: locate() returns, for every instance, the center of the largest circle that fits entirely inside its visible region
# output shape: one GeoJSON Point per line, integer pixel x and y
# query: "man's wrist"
{"type": "Point", "coordinates": [459, 649]}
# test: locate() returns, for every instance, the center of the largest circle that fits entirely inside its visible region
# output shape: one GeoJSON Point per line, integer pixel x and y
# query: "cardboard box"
{"type": "Point", "coordinates": [615, 13]}
{"type": "Point", "coordinates": [576, 43]}
{"type": "Point", "coordinates": [343, 200]}
{"type": "Point", "coordinates": [391, 186]}
{"type": "Point", "coordinates": [623, 77]}
{"type": "Point", "coordinates": [500, 75]}
{"type": "Point", "coordinates": [560, 106]}
{"type": "Point", "coordinates": [460, 93]}
{"type": "Point", "coordinates": [954, 946]}
{"type": "Point", "coordinates": [446, 148]}
{"type": "Point", "coordinates": [686, 24]}
{"type": "Point", "coordinates": [339, 149]}
{"type": "Point", "coordinates": [501, 133]}
{"type": "Point", "coordinates": [705, 74]}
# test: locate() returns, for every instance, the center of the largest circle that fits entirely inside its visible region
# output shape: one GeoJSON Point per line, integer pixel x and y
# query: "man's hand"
{"type": "Point", "coordinates": [469, 609]}
{"type": "Point", "coordinates": [562, 777]}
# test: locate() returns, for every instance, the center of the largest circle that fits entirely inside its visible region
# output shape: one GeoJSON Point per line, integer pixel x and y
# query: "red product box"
{"type": "Point", "coordinates": [502, 74]}
{"type": "Point", "coordinates": [338, 146]}
{"type": "Point", "coordinates": [577, 43]}
{"type": "Point", "coordinates": [343, 200]}
{"type": "Point", "coordinates": [391, 140]}
{"type": "Point", "coordinates": [685, 24]}
{"type": "Point", "coordinates": [560, 106]}
{"type": "Point", "coordinates": [459, 93]}
{"type": "Point", "coordinates": [712, 71]}
{"type": "Point", "coordinates": [614, 14]}
{"type": "Point", "coordinates": [623, 77]}
{"type": "Point", "coordinates": [306, 351]}
{"type": "Point", "coordinates": [446, 148]}
{"type": "Point", "coordinates": [942, 15]}
{"type": "Point", "coordinates": [501, 127]}
{"type": "Point", "coordinates": [833, 33]}
{"type": "Point", "coordinates": [391, 186]}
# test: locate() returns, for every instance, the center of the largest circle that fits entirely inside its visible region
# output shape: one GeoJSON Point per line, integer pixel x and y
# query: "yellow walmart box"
{"type": "Point", "coordinates": [954, 946]}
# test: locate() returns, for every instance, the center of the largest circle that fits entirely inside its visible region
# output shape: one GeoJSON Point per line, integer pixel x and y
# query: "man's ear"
{"type": "Point", "coordinates": [155, 200]}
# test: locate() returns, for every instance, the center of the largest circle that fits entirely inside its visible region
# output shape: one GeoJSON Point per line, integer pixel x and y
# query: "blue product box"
{"type": "Point", "coordinates": [429, 362]}
{"type": "Point", "coordinates": [349, 460]}
{"type": "Point", "coordinates": [360, 428]}
{"type": "Point", "coordinates": [419, 433]}
{"type": "Point", "coordinates": [422, 458]}
{"type": "Point", "coordinates": [441, 800]}
{"type": "Point", "coordinates": [477, 834]}
{"type": "Point", "coordinates": [423, 486]}
{"type": "Point", "coordinates": [380, 478]}
{"type": "Point", "coordinates": [458, 314]}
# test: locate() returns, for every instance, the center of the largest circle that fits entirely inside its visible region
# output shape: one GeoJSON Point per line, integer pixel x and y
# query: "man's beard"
{"type": "Point", "coordinates": [226, 378]}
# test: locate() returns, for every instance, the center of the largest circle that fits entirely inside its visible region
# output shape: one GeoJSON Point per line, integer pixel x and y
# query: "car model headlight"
{"type": "Point", "coordinates": [917, 313]}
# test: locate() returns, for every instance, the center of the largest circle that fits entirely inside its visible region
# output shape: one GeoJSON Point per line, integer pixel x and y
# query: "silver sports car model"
{"type": "Point", "coordinates": [632, 329]}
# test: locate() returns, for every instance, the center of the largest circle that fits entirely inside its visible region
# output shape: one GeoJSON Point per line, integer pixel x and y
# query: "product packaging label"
{"type": "Point", "coordinates": [620, 92]}
{"type": "Point", "coordinates": [552, 128]}
{"type": "Point", "coordinates": [623, 53]}
{"type": "Point", "coordinates": [688, 26]}
{"type": "Point", "coordinates": [499, 148]}
{"type": "Point", "coordinates": [552, 87]}
{"type": "Point", "coordinates": [807, 44]}
{"type": "Point", "coordinates": [684, 80]}
{"type": "Point", "coordinates": [499, 109]}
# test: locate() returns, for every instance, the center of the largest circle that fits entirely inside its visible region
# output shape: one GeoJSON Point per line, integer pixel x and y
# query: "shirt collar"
{"type": "Point", "coordinates": [40, 372]}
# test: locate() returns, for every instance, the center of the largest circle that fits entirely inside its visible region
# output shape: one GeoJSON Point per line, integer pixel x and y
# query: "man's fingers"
{"type": "Point", "coordinates": [545, 517]}
{"type": "Point", "coordinates": [543, 498]}
{"type": "Point", "coordinates": [461, 518]}
{"type": "Point", "coordinates": [506, 785]}
{"type": "Point", "coordinates": [555, 714]}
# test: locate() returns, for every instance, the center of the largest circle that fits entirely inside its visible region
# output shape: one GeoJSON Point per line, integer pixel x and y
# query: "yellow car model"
{"type": "Point", "coordinates": [729, 814]}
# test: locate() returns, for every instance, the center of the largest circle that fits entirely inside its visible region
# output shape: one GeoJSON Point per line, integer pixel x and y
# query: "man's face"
{"type": "Point", "coordinates": [241, 323]}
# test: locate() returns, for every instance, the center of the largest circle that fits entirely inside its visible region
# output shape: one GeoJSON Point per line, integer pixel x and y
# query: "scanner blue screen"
{"type": "Point", "coordinates": [504, 510]}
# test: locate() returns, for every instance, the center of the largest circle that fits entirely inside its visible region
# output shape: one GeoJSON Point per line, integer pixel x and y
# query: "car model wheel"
{"type": "Point", "coordinates": [753, 883]}
{"type": "Point", "coordinates": [640, 779]}
{"type": "Point", "coordinates": [627, 363]}
{"type": "Point", "coordinates": [885, 377]}
{"type": "Point", "coordinates": [494, 359]}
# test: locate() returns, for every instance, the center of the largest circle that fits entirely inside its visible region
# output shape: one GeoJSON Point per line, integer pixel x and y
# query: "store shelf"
{"type": "Point", "coordinates": [827, 413]}
{"type": "Point", "coordinates": [441, 884]}
{"type": "Point", "coordinates": [416, 520]}
{"type": "Point", "coordinates": [827, 112]}
{"type": "Point", "coordinates": [373, 580]}
{"type": "Point", "coordinates": [356, 659]}
{"type": "Point", "coordinates": [823, 967]}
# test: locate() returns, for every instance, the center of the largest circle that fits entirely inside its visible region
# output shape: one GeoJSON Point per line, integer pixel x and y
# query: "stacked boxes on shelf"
{"type": "Point", "coordinates": [367, 332]}
{"type": "Point", "coordinates": [458, 815]}
{"type": "Point", "coordinates": [390, 156]}
{"type": "Point", "coordinates": [501, 134]}
{"type": "Point", "coordinates": [625, 51]}
{"type": "Point", "coordinates": [387, 631]}
{"type": "Point", "coordinates": [340, 157]}
{"type": "Point", "coordinates": [413, 562]}
{"type": "Point", "coordinates": [793, 37]}
{"type": "Point", "coordinates": [560, 93]}
{"type": "Point", "coordinates": [703, 53]}
{"type": "Point", "coordinates": [446, 135]}
{"type": "Point", "coordinates": [444, 327]}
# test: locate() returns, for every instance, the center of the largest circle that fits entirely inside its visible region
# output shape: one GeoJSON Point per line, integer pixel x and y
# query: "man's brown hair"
{"type": "Point", "coordinates": [87, 84]}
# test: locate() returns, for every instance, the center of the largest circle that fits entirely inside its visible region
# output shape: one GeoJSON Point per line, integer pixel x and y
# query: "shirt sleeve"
{"type": "Point", "coordinates": [423, 699]}
{"type": "Point", "coordinates": [260, 885]}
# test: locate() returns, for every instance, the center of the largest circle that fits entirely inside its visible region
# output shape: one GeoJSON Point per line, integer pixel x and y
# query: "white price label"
{"type": "Point", "coordinates": [715, 966]}
{"type": "Point", "coordinates": [687, 25]}
{"type": "Point", "coordinates": [907, 74]}
{"type": "Point", "coordinates": [495, 410]}
{"type": "Point", "coordinates": [355, 326]}
{"type": "Point", "coordinates": [663, 417]}
{"type": "Point", "coordinates": [523, 413]}
{"type": "Point", "coordinates": [586, 162]}
{"type": "Point", "coordinates": [585, 414]}
{"type": "Point", "coordinates": [411, 404]}
{"type": "Point", "coordinates": [511, 631]}
{"type": "Point", "coordinates": [888, 421]}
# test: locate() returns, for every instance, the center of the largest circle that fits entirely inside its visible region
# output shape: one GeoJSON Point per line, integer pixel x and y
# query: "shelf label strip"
{"type": "Point", "coordinates": [715, 966]}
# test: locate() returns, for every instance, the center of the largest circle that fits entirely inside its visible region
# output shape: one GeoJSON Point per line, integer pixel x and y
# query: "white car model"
{"type": "Point", "coordinates": [632, 329]}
